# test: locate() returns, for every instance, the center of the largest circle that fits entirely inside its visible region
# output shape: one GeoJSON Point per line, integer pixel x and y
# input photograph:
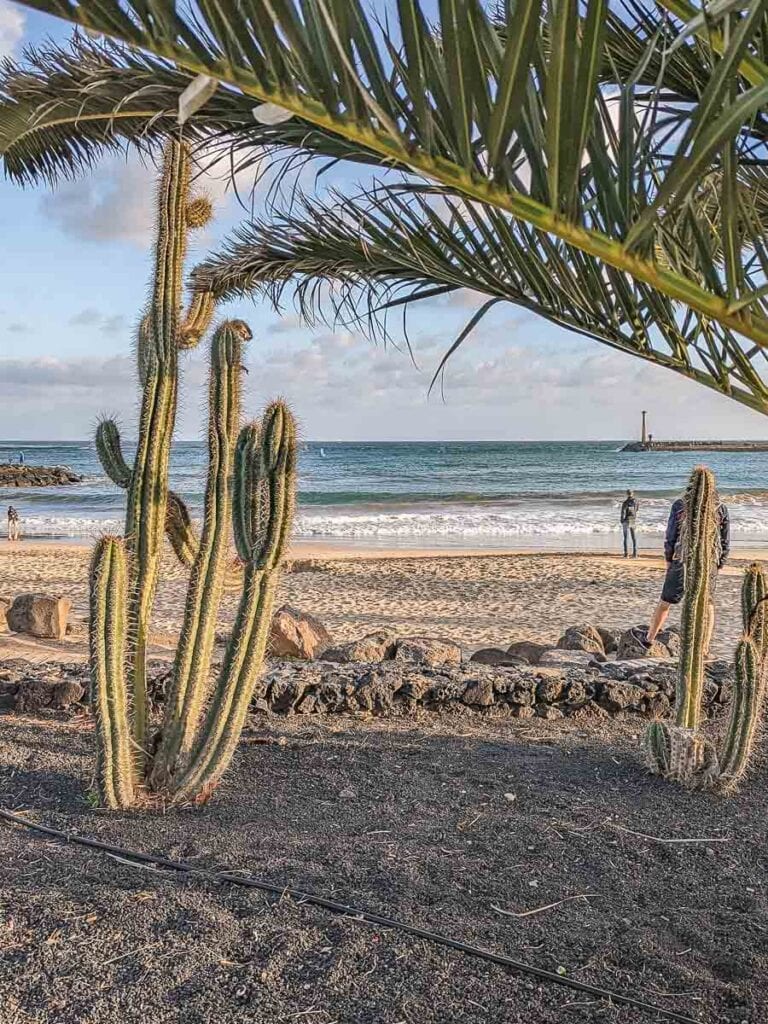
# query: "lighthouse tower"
{"type": "Point", "coordinates": [643, 432]}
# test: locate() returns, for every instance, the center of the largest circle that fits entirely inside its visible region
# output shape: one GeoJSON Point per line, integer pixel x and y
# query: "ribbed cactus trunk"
{"type": "Point", "coordinates": [701, 552]}
{"type": "Point", "coordinates": [187, 757]}
{"type": "Point", "coordinates": [679, 751]}
{"type": "Point", "coordinates": [193, 656]}
{"type": "Point", "coordinates": [109, 699]}
{"type": "Point", "coordinates": [754, 607]}
{"type": "Point", "coordinates": [744, 714]}
{"type": "Point", "coordinates": [265, 475]}
{"type": "Point", "coordinates": [148, 489]}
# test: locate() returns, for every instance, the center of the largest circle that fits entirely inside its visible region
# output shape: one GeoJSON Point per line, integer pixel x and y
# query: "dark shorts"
{"type": "Point", "coordinates": [674, 583]}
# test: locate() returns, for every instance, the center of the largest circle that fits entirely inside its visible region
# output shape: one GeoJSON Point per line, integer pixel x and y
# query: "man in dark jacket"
{"type": "Point", "coordinates": [628, 520]}
{"type": "Point", "coordinates": [674, 580]}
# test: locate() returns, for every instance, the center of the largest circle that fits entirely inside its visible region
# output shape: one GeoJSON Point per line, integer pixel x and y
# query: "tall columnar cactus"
{"type": "Point", "coordinates": [108, 583]}
{"type": "Point", "coordinates": [263, 501]}
{"type": "Point", "coordinates": [701, 554]}
{"type": "Point", "coordinates": [163, 331]}
{"type": "Point", "coordinates": [679, 751]}
{"type": "Point", "coordinates": [193, 656]}
{"type": "Point", "coordinates": [748, 691]}
{"type": "Point", "coordinates": [251, 483]}
{"type": "Point", "coordinates": [754, 607]}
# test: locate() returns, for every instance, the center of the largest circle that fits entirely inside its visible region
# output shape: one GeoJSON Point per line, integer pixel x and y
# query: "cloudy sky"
{"type": "Point", "coordinates": [75, 271]}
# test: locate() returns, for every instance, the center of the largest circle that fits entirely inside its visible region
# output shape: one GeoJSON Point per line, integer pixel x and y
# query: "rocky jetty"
{"type": "Point", "coordinates": [37, 476]}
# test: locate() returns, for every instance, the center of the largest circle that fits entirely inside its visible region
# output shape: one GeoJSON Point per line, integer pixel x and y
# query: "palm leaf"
{"type": "Point", "coordinates": [324, 62]}
{"type": "Point", "coordinates": [62, 108]}
{"type": "Point", "coordinates": [354, 259]}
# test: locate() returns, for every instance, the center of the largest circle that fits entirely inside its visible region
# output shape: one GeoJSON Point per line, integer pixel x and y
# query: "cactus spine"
{"type": "Point", "coordinates": [187, 758]}
{"type": "Point", "coordinates": [701, 557]}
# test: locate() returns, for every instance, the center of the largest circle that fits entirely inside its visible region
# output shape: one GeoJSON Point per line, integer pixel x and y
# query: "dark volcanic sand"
{"type": "Point", "coordinates": [409, 819]}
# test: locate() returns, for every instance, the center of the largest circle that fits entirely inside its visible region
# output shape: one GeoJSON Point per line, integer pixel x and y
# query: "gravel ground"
{"type": "Point", "coordinates": [436, 822]}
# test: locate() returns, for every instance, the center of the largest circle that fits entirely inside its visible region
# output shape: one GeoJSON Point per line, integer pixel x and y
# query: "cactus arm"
{"type": "Point", "coordinates": [184, 540]}
{"type": "Point", "coordinates": [266, 542]}
{"type": "Point", "coordinates": [180, 531]}
{"type": "Point", "coordinates": [658, 745]}
{"type": "Point", "coordinates": [247, 492]}
{"type": "Point", "coordinates": [744, 715]}
{"type": "Point", "coordinates": [193, 657]}
{"type": "Point", "coordinates": [110, 452]}
{"type": "Point", "coordinates": [697, 612]}
{"type": "Point", "coordinates": [107, 632]}
{"type": "Point", "coordinates": [197, 320]}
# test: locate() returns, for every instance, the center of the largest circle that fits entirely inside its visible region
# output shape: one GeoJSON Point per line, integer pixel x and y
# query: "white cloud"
{"type": "Point", "coordinates": [342, 386]}
{"type": "Point", "coordinates": [116, 202]}
{"type": "Point", "coordinates": [109, 323]}
{"type": "Point", "coordinates": [12, 21]}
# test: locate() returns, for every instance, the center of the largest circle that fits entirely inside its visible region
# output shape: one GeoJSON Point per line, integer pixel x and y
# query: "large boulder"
{"type": "Point", "coordinates": [427, 650]}
{"type": "Point", "coordinates": [377, 646]}
{"type": "Point", "coordinates": [610, 638]}
{"type": "Point", "coordinates": [618, 696]}
{"type": "Point", "coordinates": [630, 648]}
{"type": "Point", "coordinates": [297, 634]}
{"type": "Point", "coordinates": [581, 638]}
{"type": "Point", "coordinates": [32, 695]}
{"type": "Point", "coordinates": [671, 640]}
{"type": "Point", "coordinates": [478, 693]}
{"type": "Point", "coordinates": [5, 604]}
{"type": "Point", "coordinates": [528, 650]}
{"type": "Point", "coordinates": [495, 656]}
{"type": "Point", "coordinates": [39, 615]}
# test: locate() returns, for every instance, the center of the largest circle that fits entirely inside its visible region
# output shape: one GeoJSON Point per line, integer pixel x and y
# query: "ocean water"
{"type": "Point", "coordinates": [563, 495]}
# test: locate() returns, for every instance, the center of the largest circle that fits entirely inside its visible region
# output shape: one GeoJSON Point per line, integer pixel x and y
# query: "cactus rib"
{"type": "Point", "coordinates": [754, 607]}
{"type": "Point", "coordinates": [658, 742]}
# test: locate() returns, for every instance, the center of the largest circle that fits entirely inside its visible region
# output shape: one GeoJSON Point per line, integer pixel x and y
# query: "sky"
{"type": "Point", "coordinates": [75, 269]}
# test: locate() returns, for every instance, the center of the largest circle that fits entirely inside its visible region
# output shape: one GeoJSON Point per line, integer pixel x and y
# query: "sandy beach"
{"type": "Point", "coordinates": [476, 598]}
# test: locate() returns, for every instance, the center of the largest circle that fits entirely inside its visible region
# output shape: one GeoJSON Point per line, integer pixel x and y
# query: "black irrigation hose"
{"type": "Point", "coordinates": [352, 912]}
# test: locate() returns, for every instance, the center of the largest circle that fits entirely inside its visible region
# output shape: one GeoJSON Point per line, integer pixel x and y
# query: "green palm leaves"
{"type": "Point", "coordinates": [392, 246]}
{"type": "Point", "coordinates": [502, 114]}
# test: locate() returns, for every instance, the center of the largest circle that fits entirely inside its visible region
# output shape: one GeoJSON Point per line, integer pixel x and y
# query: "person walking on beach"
{"type": "Point", "coordinates": [13, 523]}
{"type": "Point", "coordinates": [674, 581]}
{"type": "Point", "coordinates": [629, 509]}
{"type": "Point", "coordinates": [21, 458]}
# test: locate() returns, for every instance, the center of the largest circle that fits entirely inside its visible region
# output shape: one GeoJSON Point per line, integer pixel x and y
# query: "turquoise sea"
{"type": "Point", "coordinates": [562, 495]}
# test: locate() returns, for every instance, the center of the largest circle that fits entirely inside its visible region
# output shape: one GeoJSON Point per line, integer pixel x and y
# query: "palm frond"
{"type": "Point", "coordinates": [355, 259]}
{"type": "Point", "coordinates": [64, 107]}
{"type": "Point", "coordinates": [441, 108]}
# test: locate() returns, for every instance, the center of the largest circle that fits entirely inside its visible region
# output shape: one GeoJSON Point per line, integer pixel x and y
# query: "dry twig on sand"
{"type": "Point", "coordinates": [548, 906]}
